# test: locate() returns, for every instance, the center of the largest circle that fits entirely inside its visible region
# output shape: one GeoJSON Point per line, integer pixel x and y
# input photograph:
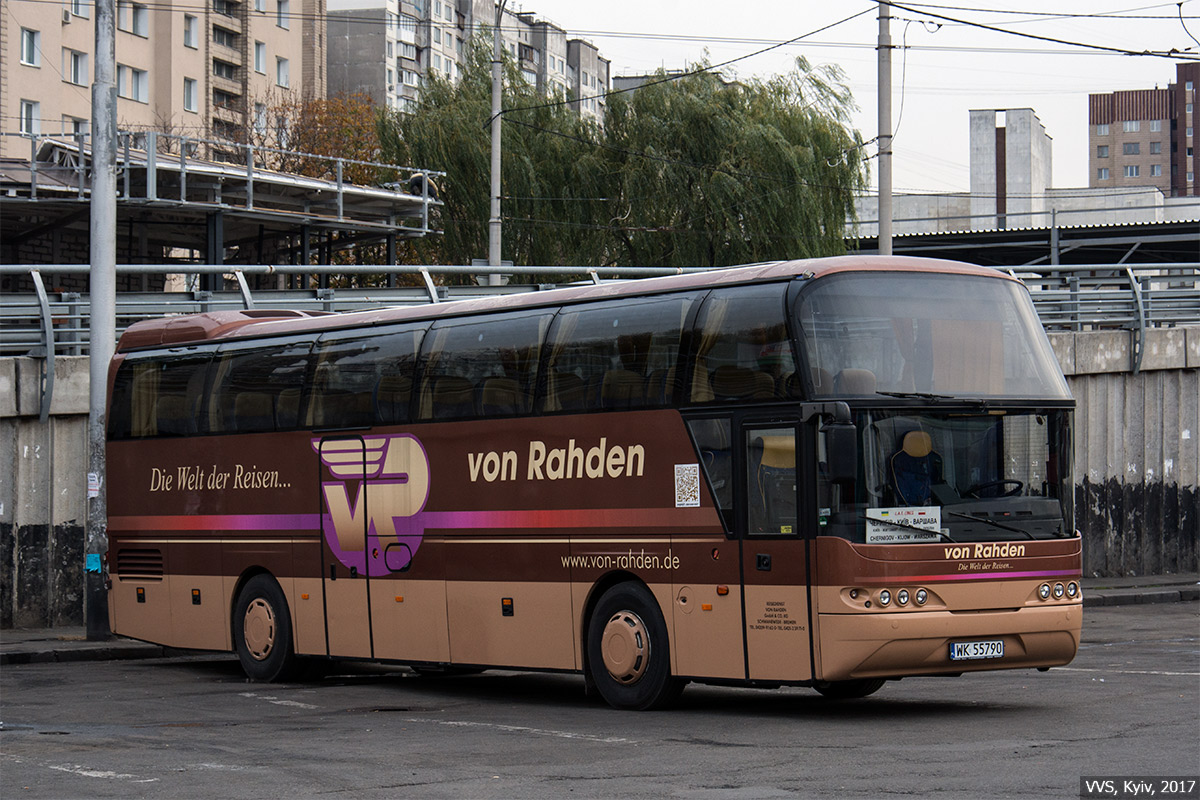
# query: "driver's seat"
{"type": "Point", "coordinates": [914, 469]}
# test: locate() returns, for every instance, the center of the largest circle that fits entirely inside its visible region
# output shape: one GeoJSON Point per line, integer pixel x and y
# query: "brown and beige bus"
{"type": "Point", "coordinates": [826, 473]}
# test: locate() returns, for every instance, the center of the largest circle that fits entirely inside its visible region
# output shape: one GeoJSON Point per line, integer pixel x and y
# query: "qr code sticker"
{"type": "Point", "coordinates": [687, 485]}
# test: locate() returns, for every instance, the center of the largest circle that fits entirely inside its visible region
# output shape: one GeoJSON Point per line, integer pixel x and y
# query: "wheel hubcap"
{"type": "Point", "coordinates": [625, 647]}
{"type": "Point", "coordinates": [259, 629]}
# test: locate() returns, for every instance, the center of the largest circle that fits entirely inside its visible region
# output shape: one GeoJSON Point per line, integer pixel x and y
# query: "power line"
{"type": "Point", "coordinates": [1174, 54]}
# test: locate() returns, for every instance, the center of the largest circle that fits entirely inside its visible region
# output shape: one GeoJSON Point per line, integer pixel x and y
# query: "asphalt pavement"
{"type": "Point", "coordinates": [42, 645]}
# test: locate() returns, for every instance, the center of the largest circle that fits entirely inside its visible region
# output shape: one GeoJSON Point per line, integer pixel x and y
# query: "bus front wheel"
{"type": "Point", "coordinates": [849, 690]}
{"type": "Point", "coordinates": [628, 654]}
{"type": "Point", "coordinates": [262, 630]}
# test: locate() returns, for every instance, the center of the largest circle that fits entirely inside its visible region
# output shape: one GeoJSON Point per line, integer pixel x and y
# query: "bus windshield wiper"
{"type": "Point", "coordinates": [986, 521]}
{"type": "Point", "coordinates": [919, 395]}
{"type": "Point", "coordinates": [895, 524]}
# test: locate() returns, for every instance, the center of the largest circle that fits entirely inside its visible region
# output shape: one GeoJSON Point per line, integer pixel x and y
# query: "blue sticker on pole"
{"type": "Point", "coordinates": [93, 562]}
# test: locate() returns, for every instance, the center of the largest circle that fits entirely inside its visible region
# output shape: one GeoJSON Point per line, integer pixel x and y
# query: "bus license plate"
{"type": "Point", "coordinates": [965, 651]}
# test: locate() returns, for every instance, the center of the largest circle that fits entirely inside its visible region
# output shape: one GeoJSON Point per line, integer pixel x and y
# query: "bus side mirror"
{"type": "Point", "coordinates": [841, 452]}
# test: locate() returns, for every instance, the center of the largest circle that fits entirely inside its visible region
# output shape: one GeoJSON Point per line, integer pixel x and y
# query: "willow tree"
{"type": "Point", "coordinates": [694, 171]}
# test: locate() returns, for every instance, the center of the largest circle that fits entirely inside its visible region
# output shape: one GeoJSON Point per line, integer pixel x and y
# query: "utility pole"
{"type": "Point", "coordinates": [103, 320]}
{"type": "Point", "coordinates": [885, 129]}
{"type": "Point", "coordinates": [497, 94]}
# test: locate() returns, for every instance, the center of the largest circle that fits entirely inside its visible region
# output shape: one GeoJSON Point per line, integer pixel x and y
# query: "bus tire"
{"type": "Point", "coordinates": [849, 690]}
{"type": "Point", "coordinates": [262, 631]}
{"type": "Point", "coordinates": [629, 658]}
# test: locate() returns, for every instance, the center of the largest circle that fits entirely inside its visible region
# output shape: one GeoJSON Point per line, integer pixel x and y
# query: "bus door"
{"type": "Point", "coordinates": [775, 563]}
{"type": "Point", "coordinates": [345, 463]}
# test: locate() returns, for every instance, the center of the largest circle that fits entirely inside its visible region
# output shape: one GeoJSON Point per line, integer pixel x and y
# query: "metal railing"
{"type": "Point", "coordinates": [45, 323]}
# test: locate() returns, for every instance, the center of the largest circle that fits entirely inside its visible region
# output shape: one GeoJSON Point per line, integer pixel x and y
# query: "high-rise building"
{"type": "Point", "coordinates": [386, 48]}
{"type": "Point", "coordinates": [203, 68]}
{"type": "Point", "coordinates": [1146, 137]}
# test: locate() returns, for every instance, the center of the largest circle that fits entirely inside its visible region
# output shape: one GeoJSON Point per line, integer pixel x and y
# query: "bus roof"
{"type": "Point", "coordinates": [191, 328]}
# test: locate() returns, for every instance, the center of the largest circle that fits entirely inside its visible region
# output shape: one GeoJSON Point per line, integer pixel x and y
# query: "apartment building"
{"type": "Point", "coordinates": [1146, 137]}
{"type": "Point", "coordinates": [385, 48]}
{"type": "Point", "coordinates": [207, 68]}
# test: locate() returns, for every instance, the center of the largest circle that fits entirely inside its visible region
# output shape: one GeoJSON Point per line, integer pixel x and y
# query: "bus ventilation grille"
{"type": "Point", "coordinates": [137, 562]}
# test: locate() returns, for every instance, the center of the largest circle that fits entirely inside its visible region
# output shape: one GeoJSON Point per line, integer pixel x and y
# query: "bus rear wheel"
{"type": "Point", "coordinates": [262, 631]}
{"type": "Point", "coordinates": [849, 690]}
{"type": "Point", "coordinates": [628, 655]}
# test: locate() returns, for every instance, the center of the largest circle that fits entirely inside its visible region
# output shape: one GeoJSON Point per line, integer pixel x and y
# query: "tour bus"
{"type": "Point", "coordinates": [827, 473]}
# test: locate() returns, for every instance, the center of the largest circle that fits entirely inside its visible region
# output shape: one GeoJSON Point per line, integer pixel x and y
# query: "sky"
{"type": "Point", "coordinates": [945, 70]}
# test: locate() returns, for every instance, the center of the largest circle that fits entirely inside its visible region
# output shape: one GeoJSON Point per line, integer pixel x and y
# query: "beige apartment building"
{"type": "Point", "coordinates": [204, 68]}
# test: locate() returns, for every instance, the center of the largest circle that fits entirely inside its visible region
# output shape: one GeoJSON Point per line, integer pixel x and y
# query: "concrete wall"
{"type": "Point", "coordinates": [1137, 461]}
{"type": "Point", "coordinates": [43, 511]}
{"type": "Point", "coordinates": [1137, 449]}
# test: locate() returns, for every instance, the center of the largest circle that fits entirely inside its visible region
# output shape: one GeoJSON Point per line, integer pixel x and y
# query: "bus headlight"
{"type": "Point", "coordinates": [902, 597]}
{"type": "Point", "coordinates": [1059, 591]}
{"type": "Point", "coordinates": [1044, 591]}
{"type": "Point", "coordinates": [885, 597]}
{"type": "Point", "coordinates": [1072, 589]}
{"type": "Point", "coordinates": [922, 596]}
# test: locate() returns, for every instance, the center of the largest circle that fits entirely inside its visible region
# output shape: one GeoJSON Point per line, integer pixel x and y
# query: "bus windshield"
{"type": "Point", "coordinates": [955, 477]}
{"type": "Point", "coordinates": [911, 334]}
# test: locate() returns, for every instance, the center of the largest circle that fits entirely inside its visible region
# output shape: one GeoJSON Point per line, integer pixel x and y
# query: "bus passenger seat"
{"type": "Point", "coordinates": [565, 392]}
{"type": "Point", "coordinates": [392, 393]}
{"type": "Point", "coordinates": [730, 382]}
{"type": "Point", "coordinates": [854, 381]}
{"type": "Point", "coordinates": [822, 381]}
{"type": "Point", "coordinates": [502, 397]}
{"type": "Point", "coordinates": [287, 408]}
{"type": "Point", "coordinates": [453, 397]}
{"type": "Point", "coordinates": [622, 389]}
{"type": "Point", "coordinates": [253, 411]}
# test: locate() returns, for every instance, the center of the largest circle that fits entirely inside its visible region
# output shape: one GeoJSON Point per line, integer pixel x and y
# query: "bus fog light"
{"type": "Point", "coordinates": [1058, 591]}
{"type": "Point", "coordinates": [885, 597]}
{"type": "Point", "coordinates": [1072, 589]}
{"type": "Point", "coordinates": [1044, 591]}
{"type": "Point", "coordinates": [902, 597]}
{"type": "Point", "coordinates": [921, 597]}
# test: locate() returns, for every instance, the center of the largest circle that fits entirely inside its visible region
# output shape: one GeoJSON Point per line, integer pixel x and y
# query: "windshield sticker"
{"type": "Point", "coordinates": [904, 524]}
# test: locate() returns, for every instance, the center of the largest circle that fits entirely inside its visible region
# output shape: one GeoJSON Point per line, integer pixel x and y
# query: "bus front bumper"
{"type": "Point", "coordinates": [900, 644]}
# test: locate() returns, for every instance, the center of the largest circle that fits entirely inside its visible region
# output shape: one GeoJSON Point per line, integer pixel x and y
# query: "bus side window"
{"type": "Point", "coordinates": [771, 478]}
{"type": "Point", "coordinates": [716, 459]}
{"type": "Point", "coordinates": [158, 396]}
{"type": "Point", "coordinates": [252, 387]}
{"type": "Point", "coordinates": [742, 349]}
{"type": "Point", "coordinates": [364, 381]}
{"type": "Point", "coordinates": [616, 355]}
{"type": "Point", "coordinates": [486, 367]}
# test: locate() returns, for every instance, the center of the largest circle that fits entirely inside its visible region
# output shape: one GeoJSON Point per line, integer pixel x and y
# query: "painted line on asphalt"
{"type": "Point", "coordinates": [1128, 671]}
{"type": "Point", "coordinates": [522, 729]}
{"type": "Point", "coordinates": [276, 701]}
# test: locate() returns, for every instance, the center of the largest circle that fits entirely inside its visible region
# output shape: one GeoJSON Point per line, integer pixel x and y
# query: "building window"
{"type": "Point", "coordinates": [226, 8]}
{"type": "Point", "coordinates": [1155, 125]}
{"type": "Point", "coordinates": [282, 73]}
{"type": "Point", "coordinates": [1132, 170]}
{"type": "Point", "coordinates": [190, 31]}
{"type": "Point", "coordinates": [260, 5]}
{"type": "Point", "coordinates": [133, 84]}
{"type": "Point", "coordinates": [260, 117]}
{"type": "Point", "coordinates": [1188, 108]}
{"type": "Point", "coordinates": [1131, 125]}
{"type": "Point", "coordinates": [223, 69]}
{"type": "Point", "coordinates": [1131, 148]}
{"type": "Point", "coordinates": [74, 126]}
{"type": "Point", "coordinates": [224, 37]}
{"type": "Point", "coordinates": [133, 18]}
{"type": "Point", "coordinates": [1189, 177]}
{"type": "Point", "coordinates": [1102, 174]}
{"type": "Point", "coordinates": [1188, 131]}
{"type": "Point", "coordinates": [1155, 148]}
{"type": "Point", "coordinates": [1101, 130]}
{"type": "Point", "coordinates": [31, 49]}
{"type": "Point", "coordinates": [408, 51]}
{"type": "Point", "coordinates": [260, 57]}
{"type": "Point", "coordinates": [75, 67]}
{"type": "Point", "coordinates": [30, 111]}
{"type": "Point", "coordinates": [1188, 152]}
{"type": "Point", "coordinates": [81, 8]}
{"type": "Point", "coordinates": [189, 94]}
{"type": "Point", "coordinates": [1156, 170]}
{"type": "Point", "coordinates": [282, 16]}
{"type": "Point", "coordinates": [1102, 151]}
